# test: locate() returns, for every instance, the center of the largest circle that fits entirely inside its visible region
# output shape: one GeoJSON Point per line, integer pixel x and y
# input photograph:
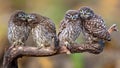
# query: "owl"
{"type": "Point", "coordinates": [93, 26]}
{"type": "Point", "coordinates": [43, 30]}
{"type": "Point", "coordinates": [18, 31]}
{"type": "Point", "coordinates": [70, 28]}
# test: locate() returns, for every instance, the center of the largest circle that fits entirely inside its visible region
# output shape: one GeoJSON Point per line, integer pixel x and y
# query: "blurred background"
{"type": "Point", "coordinates": [55, 9]}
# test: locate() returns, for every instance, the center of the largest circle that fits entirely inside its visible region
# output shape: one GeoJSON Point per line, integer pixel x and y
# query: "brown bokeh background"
{"type": "Point", "coordinates": [55, 9]}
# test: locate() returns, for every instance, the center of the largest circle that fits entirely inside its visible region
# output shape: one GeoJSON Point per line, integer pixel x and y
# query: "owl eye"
{"type": "Point", "coordinates": [81, 11]}
{"type": "Point", "coordinates": [31, 16]}
{"type": "Point", "coordinates": [75, 16]}
{"type": "Point", "coordinates": [20, 15]}
{"type": "Point", "coordinates": [68, 16]}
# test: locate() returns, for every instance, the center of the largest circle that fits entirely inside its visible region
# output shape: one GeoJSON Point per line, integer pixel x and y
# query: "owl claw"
{"type": "Point", "coordinates": [20, 43]}
{"type": "Point", "coordinates": [14, 44]}
{"type": "Point", "coordinates": [68, 52]}
{"type": "Point", "coordinates": [67, 47]}
{"type": "Point", "coordinates": [67, 44]}
{"type": "Point", "coordinates": [41, 46]}
{"type": "Point", "coordinates": [65, 50]}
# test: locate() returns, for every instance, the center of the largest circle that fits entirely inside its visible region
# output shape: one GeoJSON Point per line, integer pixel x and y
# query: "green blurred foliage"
{"type": "Point", "coordinates": [78, 60]}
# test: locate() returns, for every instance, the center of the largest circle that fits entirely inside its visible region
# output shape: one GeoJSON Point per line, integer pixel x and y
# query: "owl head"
{"type": "Point", "coordinates": [33, 19]}
{"type": "Point", "coordinates": [20, 15]}
{"type": "Point", "coordinates": [72, 15]}
{"type": "Point", "coordinates": [86, 12]}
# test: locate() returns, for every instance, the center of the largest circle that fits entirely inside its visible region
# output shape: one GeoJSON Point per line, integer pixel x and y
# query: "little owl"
{"type": "Point", "coordinates": [43, 30]}
{"type": "Point", "coordinates": [18, 30]}
{"type": "Point", "coordinates": [69, 28]}
{"type": "Point", "coordinates": [93, 26]}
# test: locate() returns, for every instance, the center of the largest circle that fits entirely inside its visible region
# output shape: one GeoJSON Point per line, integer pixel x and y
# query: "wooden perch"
{"type": "Point", "coordinates": [15, 52]}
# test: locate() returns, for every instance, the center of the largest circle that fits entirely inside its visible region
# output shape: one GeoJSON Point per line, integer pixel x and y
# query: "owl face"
{"type": "Point", "coordinates": [72, 15]}
{"type": "Point", "coordinates": [21, 16]}
{"type": "Point", "coordinates": [32, 19]}
{"type": "Point", "coordinates": [86, 13]}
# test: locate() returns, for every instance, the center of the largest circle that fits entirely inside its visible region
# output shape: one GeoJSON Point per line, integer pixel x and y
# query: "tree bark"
{"type": "Point", "coordinates": [15, 52]}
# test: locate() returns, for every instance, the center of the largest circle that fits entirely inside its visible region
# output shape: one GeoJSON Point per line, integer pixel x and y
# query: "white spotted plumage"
{"type": "Point", "coordinates": [70, 28]}
{"type": "Point", "coordinates": [43, 30]}
{"type": "Point", "coordinates": [18, 29]}
{"type": "Point", "coordinates": [93, 25]}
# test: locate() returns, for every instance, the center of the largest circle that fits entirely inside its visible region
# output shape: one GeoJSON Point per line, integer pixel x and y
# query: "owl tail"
{"type": "Point", "coordinates": [107, 36]}
{"type": "Point", "coordinates": [56, 42]}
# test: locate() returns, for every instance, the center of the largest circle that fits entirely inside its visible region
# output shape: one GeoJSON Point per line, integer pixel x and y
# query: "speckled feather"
{"type": "Point", "coordinates": [18, 31]}
{"type": "Point", "coordinates": [43, 31]}
{"type": "Point", "coordinates": [93, 26]}
{"type": "Point", "coordinates": [69, 29]}
{"type": "Point", "coordinates": [96, 27]}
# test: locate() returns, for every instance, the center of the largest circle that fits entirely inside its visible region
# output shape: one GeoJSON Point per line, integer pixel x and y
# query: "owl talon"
{"type": "Point", "coordinates": [14, 44]}
{"type": "Point", "coordinates": [67, 44]}
{"type": "Point", "coordinates": [65, 50]}
{"type": "Point", "coordinates": [68, 52]}
{"type": "Point", "coordinates": [41, 46]}
{"type": "Point", "coordinates": [20, 43]}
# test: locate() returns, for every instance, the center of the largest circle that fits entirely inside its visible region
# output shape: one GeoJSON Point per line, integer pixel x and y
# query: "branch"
{"type": "Point", "coordinates": [112, 28]}
{"type": "Point", "coordinates": [14, 52]}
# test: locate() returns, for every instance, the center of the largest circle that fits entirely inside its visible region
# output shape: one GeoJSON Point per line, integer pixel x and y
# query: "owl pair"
{"type": "Point", "coordinates": [83, 20]}
{"type": "Point", "coordinates": [22, 24]}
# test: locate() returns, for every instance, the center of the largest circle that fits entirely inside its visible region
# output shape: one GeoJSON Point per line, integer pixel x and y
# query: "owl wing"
{"type": "Point", "coordinates": [50, 26]}
{"type": "Point", "coordinates": [62, 26]}
{"type": "Point", "coordinates": [97, 28]}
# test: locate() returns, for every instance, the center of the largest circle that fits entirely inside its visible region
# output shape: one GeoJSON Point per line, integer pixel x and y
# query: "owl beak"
{"type": "Point", "coordinates": [28, 19]}
{"type": "Point", "coordinates": [23, 19]}
{"type": "Point", "coordinates": [72, 18]}
{"type": "Point", "coordinates": [82, 15]}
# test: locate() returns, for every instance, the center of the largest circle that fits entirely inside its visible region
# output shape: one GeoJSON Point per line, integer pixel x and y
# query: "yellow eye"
{"type": "Point", "coordinates": [81, 11]}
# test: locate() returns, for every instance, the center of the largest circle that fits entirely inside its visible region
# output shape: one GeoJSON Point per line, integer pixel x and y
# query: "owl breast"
{"type": "Point", "coordinates": [41, 36]}
{"type": "Point", "coordinates": [17, 32]}
{"type": "Point", "coordinates": [70, 33]}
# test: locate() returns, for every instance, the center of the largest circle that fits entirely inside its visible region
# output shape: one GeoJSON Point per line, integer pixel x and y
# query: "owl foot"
{"type": "Point", "coordinates": [65, 50]}
{"type": "Point", "coordinates": [68, 52]}
{"type": "Point", "coordinates": [14, 44]}
{"type": "Point", "coordinates": [41, 46]}
{"type": "Point", "coordinates": [20, 43]}
{"type": "Point", "coordinates": [68, 46]}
